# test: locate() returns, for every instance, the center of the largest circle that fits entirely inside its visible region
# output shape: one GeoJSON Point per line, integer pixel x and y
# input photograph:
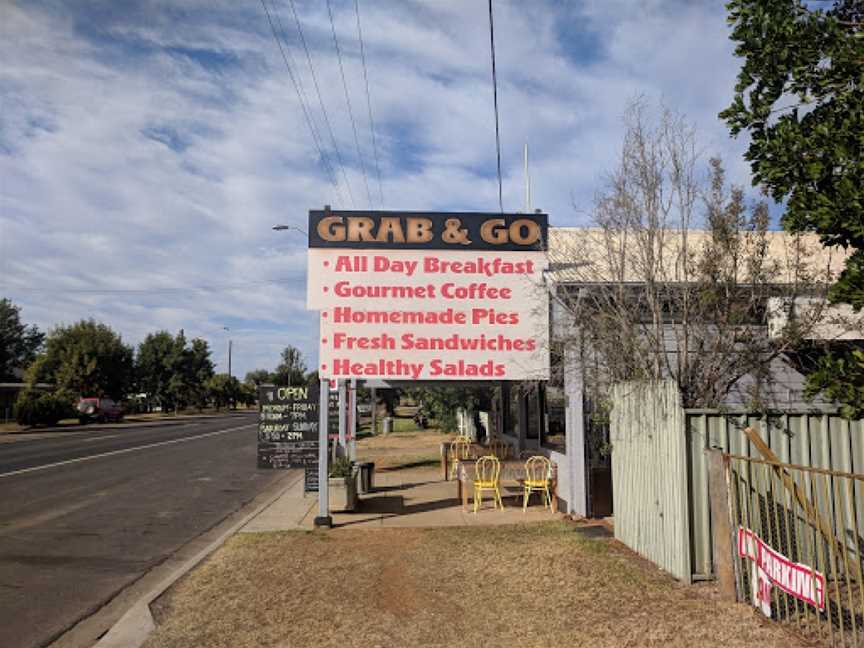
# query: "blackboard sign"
{"type": "Point", "coordinates": [310, 481]}
{"type": "Point", "coordinates": [287, 426]}
{"type": "Point", "coordinates": [288, 455]}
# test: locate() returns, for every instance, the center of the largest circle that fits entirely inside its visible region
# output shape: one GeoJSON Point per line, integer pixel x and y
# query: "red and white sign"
{"type": "Point", "coordinates": [431, 314]}
{"type": "Point", "coordinates": [771, 568]}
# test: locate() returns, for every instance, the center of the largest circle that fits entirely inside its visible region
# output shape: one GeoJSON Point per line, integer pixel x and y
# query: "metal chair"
{"type": "Point", "coordinates": [487, 477]}
{"type": "Point", "coordinates": [500, 449]}
{"type": "Point", "coordinates": [460, 449]}
{"type": "Point", "coordinates": [538, 475]}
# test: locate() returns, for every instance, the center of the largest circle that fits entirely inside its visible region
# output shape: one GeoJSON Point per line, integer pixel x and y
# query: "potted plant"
{"type": "Point", "coordinates": [343, 485]}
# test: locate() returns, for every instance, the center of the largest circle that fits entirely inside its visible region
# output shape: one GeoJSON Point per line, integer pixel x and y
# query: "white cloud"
{"type": "Point", "coordinates": [145, 152]}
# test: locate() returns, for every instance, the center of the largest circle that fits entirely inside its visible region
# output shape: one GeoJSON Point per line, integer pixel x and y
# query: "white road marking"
{"type": "Point", "coordinates": [123, 451]}
{"type": "Point", "coordinates": [100, 438]}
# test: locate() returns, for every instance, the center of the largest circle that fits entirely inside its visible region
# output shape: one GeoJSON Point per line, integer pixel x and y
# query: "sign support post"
{"type": "Point", "coordinates": [342, 411]}
{"type": "Point", "coordinates": [352, 421]}
{"type": "Point", "coordinates": [323, 519]}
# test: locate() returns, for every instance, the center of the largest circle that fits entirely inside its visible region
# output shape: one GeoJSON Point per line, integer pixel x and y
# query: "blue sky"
{"type": "Point", "coordinates": [146, 148]}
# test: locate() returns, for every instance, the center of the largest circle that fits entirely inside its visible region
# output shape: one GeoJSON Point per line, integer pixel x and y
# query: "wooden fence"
{"type": "Point", "coordinates": [659, 468]}
{"type": "Point", "coordinates": [649, 474]}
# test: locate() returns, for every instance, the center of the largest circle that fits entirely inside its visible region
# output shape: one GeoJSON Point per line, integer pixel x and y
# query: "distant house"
{"type": "Point", "coordinates": [9, 393]}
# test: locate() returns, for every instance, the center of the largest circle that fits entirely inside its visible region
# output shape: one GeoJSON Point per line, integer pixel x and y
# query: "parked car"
{"type": "Point", "coordinates": [98, 409]}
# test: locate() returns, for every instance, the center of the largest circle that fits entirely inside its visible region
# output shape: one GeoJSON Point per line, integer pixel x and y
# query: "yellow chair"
{"type": "Point", "coordinates": [500, 449]}
{"type": "Point", "coordinates": [460, 449]}
{"type": "Point", "coordinates": [538, 475]}
{"type": "Point", "coordinates": [487, 476]}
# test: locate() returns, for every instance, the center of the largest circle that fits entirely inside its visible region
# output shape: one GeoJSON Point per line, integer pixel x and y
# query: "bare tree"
{"type": "Point", "coordinates": [676, 279]}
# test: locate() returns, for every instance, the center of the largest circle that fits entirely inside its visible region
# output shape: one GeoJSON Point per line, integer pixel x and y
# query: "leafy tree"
{"type": "Point", "coordinates": [292, 369]}
{"type": "Point", "coordinates": [191, 370]}
{"type": "Point", "coordinates": [153, 366]}
{"type": "Point", "coordinates": [258, 377]}
{"type": "Point", "coordinates": [87, 359]}
{"type": "Point", "coordinates": [849, 391]}
{"type": "Point", "coordinates": [199, 367]}
{"type": "Point", "coordinates": [224, 390]}
{"type": "Point", "coordinates": [19, 343]}
{"type": "Point", "coordinates": [800, 97]}
{"type": "Point", "coordinates": [172, 372]}
{"type": "Point", "coordinates": [443, 403]}
{"type": "Point", "coordinates": [248, 394]}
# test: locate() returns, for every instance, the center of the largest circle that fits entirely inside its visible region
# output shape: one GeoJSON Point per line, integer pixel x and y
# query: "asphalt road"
{"type": "Point", "coordinates": [83, 516]}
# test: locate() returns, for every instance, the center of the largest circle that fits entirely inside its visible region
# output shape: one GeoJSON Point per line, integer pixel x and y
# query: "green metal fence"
{"type": "Point", "coordinates": [798, 546]}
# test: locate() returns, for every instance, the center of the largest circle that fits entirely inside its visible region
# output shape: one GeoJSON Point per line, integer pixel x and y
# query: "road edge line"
{"type": "Point", "coordinates": [136, 624]}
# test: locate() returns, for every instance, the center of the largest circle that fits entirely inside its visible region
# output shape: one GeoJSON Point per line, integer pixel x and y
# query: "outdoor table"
{"type": "Point", "coordinates": [512, 471]}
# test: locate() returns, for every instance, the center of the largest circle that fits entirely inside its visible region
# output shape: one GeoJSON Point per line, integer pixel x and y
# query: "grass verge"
{"type": "Point", "coordinates": [525, 585]}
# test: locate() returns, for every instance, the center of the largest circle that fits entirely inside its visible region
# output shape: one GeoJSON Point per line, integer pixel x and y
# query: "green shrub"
{"type": "Point", "coordinates": [42, 408]}
{"type": "Point", "coordinates": [341, 467]}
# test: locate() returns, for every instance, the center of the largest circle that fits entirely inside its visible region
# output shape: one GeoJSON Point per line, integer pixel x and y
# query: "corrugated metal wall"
{"type": "Point", "coordinates": [821, 439]}
{"type": "Point", "coordinates": [649, 472]}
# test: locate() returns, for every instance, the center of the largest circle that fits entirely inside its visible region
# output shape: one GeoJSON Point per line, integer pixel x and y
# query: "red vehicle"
{"type": "Point", "coordinates": [98, 409]}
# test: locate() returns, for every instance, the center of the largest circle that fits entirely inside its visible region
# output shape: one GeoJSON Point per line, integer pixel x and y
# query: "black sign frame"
{"type": "Point", "coordinates": [449, 230]}
{"type": "Point", "coordinates": [288, 426]}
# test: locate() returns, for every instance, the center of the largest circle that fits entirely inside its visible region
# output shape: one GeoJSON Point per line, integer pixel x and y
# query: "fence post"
{"type": "Point", "coordinates": [718, 492]}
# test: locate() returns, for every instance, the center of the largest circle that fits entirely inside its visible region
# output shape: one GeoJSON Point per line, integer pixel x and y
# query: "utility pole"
{"type": "Point", "coordinates": [225, 328]}
{"type": "Point", "coordinates": [527, 183]}
{"type": "Point", "coordinates": [232, 403]}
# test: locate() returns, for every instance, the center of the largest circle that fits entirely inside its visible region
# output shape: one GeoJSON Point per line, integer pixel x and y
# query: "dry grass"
{"type": "Point", "coordinates": [402, 450]}
{"type": "Point", "coordinates": [526, 585]}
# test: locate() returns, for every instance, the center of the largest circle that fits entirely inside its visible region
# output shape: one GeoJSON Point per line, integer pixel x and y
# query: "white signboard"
{"type": "Point", "coordinates": [773, 569]}
{"type": "Point", "coordinates": [430, 314]}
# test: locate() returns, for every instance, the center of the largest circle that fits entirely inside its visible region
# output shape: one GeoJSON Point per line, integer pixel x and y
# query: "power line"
{"type": "Point", "coordinates": [369, 102]}
{"type": "Point", "coordinates": [158, 290]}
{"type": "Point", "coordinates": [348, 101]}
{"type": "Point", "coordinates": [312, 128]}
{"type": "Point", "coordinates": [320, 100]}
{"type": "Point", "coordinates": [495, 97]}
{"type": "Point", "coordinates": [304, 100]}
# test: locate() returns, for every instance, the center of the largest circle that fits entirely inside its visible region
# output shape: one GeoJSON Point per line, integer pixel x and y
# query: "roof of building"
{"type": "Point", "coordinates": [595, 255]}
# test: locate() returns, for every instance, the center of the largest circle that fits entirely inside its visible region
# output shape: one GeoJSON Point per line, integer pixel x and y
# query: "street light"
{"type": "Point", "coordinates": [280, 228]}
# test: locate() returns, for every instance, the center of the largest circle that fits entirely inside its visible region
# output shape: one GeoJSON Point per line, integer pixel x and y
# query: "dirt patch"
{"type": "Point", "coordinates": [526, 585]}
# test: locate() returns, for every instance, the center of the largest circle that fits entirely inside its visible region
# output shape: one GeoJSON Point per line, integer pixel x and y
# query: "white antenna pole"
{"type": "Point", "coordinates": [527, 183]}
